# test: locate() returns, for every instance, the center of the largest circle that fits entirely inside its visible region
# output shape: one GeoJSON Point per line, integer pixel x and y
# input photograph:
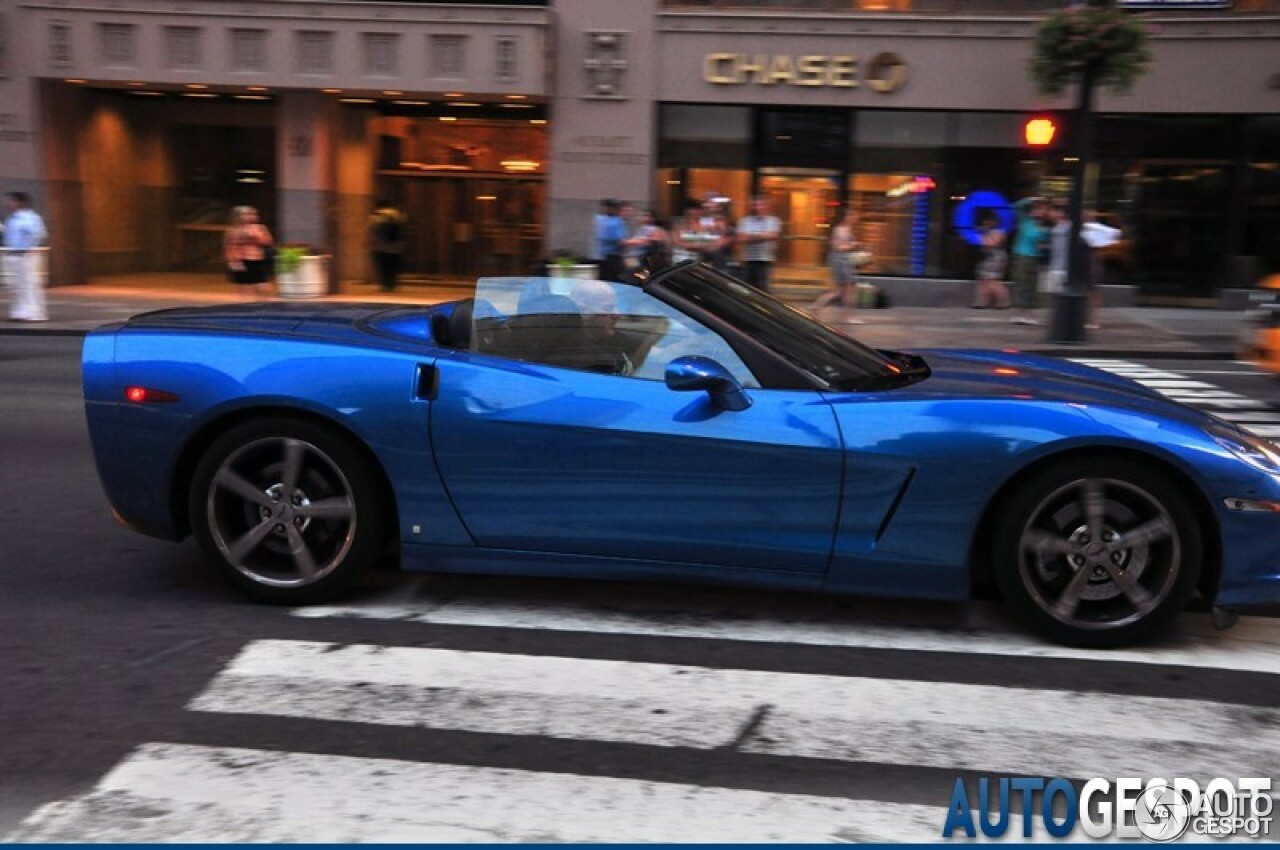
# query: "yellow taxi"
{"type": "Point", "coordinates": [1260, 337]}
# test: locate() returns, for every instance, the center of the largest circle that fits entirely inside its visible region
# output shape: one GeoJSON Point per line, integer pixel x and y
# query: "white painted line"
{"type": "Point", "coordinates": [936, 724]}
{"type": "Point", "coordinates": [172, 793]}
{"type": "Point", "coordinates": [1253, 645]}
{"type": "Point", "coordinates": [1245, 416]}
{"type": "Point", "coordinates": [1163, 384]}
{"type": "Point", "coordinates": [1242, 373]}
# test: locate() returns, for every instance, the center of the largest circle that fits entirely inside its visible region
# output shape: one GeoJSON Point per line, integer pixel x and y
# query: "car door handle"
{"type": "Point", "coordinates": [426, 385]}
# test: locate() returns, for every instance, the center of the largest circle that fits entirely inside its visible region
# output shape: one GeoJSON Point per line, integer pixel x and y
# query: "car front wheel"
{"type": "Point", "coordinates": [286, 509]}
{"type": "Point", "coordinates": [1098, 554]}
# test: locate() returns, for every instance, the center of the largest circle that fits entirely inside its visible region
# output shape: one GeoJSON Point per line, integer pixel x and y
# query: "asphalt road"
{"type": "Point", "coordinates": [152, 703]}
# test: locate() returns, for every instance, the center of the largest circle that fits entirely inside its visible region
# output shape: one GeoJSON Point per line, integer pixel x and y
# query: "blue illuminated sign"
{"type": "Point", "coordinates": [968, 213]}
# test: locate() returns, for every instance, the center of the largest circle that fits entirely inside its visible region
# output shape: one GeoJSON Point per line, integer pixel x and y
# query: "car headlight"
{"type": "Point", "coordinates": [1250, 448]}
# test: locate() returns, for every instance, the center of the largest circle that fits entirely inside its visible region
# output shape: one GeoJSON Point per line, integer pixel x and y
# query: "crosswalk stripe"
{"type": "Point", "coordinates": [1253, 645]}
{"type": "Point", "coordinates": [1260, 417]}
{"type": "Point", "coordinates": [929, 724]}
{"type": "Point", "coordinates": [171, 792]}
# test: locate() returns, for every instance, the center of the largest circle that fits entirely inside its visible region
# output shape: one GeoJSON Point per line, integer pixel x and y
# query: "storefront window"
{"type": "Point", "coordinates": [731, 188]}
{"type": "Point", "coordinates": [1260, 243]}
{"type": "Point", "coordinates": [474, 192]}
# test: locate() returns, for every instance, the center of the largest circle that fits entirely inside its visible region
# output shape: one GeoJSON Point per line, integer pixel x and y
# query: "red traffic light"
{"type": "Point", "coordinates": [1039, 132]}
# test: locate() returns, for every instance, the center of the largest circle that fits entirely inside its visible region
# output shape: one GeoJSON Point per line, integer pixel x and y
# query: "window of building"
{"type": "Point", "coordinates": [315, 52]}
{"type": "Point", "coordinates": [448, 55]}
{"type": "Point", "coordinates": [248, 50]}
{"type": "Point", "coordinates": [474, 190]}
{"type": "Point", "coordinates": [1260, 243]}
{"type": "Point", "coordinates": [183, 47]}
{"type": "Point", "coordinates": [505, 59]}
{"type": "Point", "coordinates": [118, 43]}
{"type": "Point", "coordinates": [60, 44]}
{"type": "Point", "coordinates": [381, 54]}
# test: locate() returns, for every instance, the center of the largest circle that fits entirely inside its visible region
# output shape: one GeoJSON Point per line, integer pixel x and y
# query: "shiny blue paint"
{"type": "Point", "coordinates": [368, 392]}
{"type": "Point", "coordinates": [512, 562]}
{"type": "Point", "coordinates": [702, 374]}
{"type": "Point", "coordinates": [556, 460]}
{"type": "Point", "coordinates": [524, 469]}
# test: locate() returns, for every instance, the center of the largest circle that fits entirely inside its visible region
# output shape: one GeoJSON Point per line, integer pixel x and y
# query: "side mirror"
{"type": "Point", "coordinates": [685, 374]}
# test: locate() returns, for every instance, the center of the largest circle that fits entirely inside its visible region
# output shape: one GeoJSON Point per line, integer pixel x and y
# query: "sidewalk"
{"type": "Point", "coordinates": [1126, 331]}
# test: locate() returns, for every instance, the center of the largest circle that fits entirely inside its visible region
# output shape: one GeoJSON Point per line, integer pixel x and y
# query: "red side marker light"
{"type": "Point", "coordinates": [147, 395]}
{"type": "Point", "coordinates": [1002, 370]}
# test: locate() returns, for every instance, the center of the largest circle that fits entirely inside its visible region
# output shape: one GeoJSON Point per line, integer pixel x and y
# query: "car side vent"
{"type": "Point", "coordinates": [427, 384]}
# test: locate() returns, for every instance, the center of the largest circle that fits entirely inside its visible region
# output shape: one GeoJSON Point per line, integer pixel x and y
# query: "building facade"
{"type": "Point", "coordinates": [498, 127]}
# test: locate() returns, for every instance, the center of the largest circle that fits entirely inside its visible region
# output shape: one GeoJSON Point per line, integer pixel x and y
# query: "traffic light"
{"type": "Point", "coordinates": [1040, 132]}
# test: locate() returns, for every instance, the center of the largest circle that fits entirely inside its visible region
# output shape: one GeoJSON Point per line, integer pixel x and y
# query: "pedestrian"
{"type": "Point", "coordinates": [1028, 245]}
{"type": "Point", "coordinates": [387, 228]}
{"type": "Point", "coordinates": [1059, 227]}
{"type": "Point", "coordinates": [758, 235]}
{"type": "Point", "coordinates": [691, 239]}
{"type": "Point", "coordinates": [606, 240]}
{"type": "Point", "coordinates": [992, 261]}
{"type": "Point", "coordinates": [717, 232]}
{"type": "Point", "coordinates": [649, 246]}
{"type": "Point", "coordinates": [843, 253]}
{"type": "Point", "coordinates": [1096, 236]}
{"type": "Point", "coordinates": [24, 232]}
{"type": "Point", "coordinates": [249, 249]}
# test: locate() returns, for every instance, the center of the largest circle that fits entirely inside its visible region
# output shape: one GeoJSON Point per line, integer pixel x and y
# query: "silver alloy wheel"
{"type": "Point", "coordinates": [281, 512]}
{"type": "Point", "coordinates": [1099, 553]}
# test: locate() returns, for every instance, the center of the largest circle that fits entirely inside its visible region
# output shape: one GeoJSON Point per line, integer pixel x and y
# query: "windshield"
{"type": "Point", "coordinates": [830, 356]}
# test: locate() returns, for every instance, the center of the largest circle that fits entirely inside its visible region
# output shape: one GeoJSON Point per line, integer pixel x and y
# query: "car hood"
{"type": "Point", "coordinates": [1032, 377]}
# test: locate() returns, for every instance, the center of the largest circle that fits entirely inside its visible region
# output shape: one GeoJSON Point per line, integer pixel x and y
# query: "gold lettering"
{"type": "Point", "coordinates": [780, 71]}
{"type": "Point", "coordinates": [884, 73]}
{"type": "Point", "coordinates": [813, 71]}
{"type": "Point", "coordinates": [714, 70]}
{"type": "Point", "coordinates": [841, 71]}
{"type": "Point", "coordinates": [887, 73]}
{"type": "Point", "coordinates": [752, 71]}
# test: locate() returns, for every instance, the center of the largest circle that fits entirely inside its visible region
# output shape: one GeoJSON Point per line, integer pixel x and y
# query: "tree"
{"type": "Point", "coordinates": [1089, 44]}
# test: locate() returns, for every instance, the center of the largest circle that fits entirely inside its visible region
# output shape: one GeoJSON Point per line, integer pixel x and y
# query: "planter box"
{"type": "Point", "coordinates": [309, 280]}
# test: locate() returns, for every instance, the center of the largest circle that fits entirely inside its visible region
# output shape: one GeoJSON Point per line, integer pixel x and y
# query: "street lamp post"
{"type": "Point", "coordinates": [1091, 43]}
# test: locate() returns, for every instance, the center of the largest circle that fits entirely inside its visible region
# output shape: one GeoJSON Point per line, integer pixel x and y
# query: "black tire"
{"type": "Point", "coordinates": [308, 548]}
{"type": "Point", "coordinates": [1098, 553]}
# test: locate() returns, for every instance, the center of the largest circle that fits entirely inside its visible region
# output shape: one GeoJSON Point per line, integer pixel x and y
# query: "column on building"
{"type": "Point", "coordinates": [602, 127]}
{"type": "Point", "coordinates": [61, 199]}
{"type": "Point", "coordinates": [305, 159]}
{"type": "Point", "coordinates": [353, 194]}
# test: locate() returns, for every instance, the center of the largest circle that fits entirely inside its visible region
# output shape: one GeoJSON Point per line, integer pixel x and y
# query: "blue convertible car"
{"type": "Point", "coordinates": [682, 427]}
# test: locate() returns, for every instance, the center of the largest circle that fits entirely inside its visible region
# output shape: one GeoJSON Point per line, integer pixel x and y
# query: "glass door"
{"type": "Point", "coordinates": [806, 200]}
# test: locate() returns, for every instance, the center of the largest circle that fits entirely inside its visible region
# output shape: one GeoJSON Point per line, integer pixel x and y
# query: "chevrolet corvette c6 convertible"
{"type": "Point", "coordinates": [684, 427]}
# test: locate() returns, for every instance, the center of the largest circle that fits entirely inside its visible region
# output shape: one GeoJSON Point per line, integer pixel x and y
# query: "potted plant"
{"type": "Point", "coordinates": [301, 272]}
{"type": "Point", "coordinates": [289, 258]}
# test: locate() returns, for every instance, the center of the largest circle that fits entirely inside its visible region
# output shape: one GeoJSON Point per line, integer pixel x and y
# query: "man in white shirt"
{"type": "Point", "coordinates": [24, 231]}
{"type": "Point", "coordinates": [758, 235]}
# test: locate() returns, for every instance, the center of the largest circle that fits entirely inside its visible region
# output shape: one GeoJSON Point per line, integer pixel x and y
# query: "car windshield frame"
{"type": "Point", "coordinates": [833, 359]}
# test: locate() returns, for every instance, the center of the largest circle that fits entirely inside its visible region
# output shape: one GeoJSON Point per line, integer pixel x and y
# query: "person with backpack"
{"type": "Point", "coordinates": [386, 243]}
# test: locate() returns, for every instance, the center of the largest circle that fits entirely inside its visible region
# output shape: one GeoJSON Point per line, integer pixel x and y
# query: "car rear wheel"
{"type": "Point", "coordinates": [1098, 554]}
{"type": "Point", "coordinates": [286, 509]}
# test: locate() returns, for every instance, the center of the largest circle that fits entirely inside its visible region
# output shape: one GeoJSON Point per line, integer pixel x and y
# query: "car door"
{"type": "Point", "coordinates": [548, 457]}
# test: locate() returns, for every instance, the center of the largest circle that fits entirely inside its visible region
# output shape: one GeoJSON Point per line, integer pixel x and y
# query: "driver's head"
{"type": "Point", "coordinates": [595, 297]}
